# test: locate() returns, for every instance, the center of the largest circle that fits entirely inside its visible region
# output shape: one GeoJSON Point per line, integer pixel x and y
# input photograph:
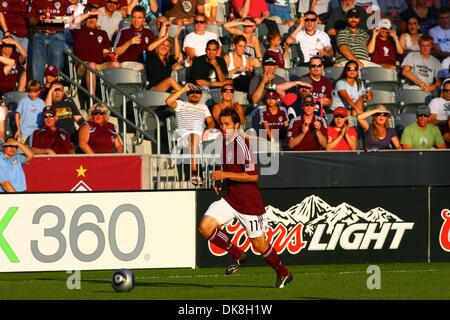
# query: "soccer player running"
{"type": "Point", "coordinates": [242, 200]}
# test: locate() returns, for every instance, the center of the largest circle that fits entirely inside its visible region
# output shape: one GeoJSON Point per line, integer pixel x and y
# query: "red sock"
{"type": "Point", "coordinates": [220, 239]}
{"type": "Point", "coordinates": [274, 261]}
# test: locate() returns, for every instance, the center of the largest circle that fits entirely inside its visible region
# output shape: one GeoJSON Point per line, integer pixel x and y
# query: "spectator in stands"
{"type": "Point", "coordinates": [131, 42]}
{"type": "Point", "coordinates": [257, 9]}
{"type": "Point", "coordinates": [183, 12]}
{"type": "Point", "coordinates": [91, 45]}
{"type": "Point", "coordinates": [66, 110]}
{"type": "Point", "coordinates": [441, 34]}
{"type": "Point", "coordinates": [421, 134]}
{"type": "Point", "coordinates": [281, 54]}
{"type": "Point", "coordinates": [240, 67]}
{"type": "Point", "coordinates": [12, 177]}
{"type": "Point", "coordinates": [48, 38]}
{"type": "Point", "coordinates": [253, 48]}
{"type": "Point", "coordinates": [313, 42]}
{"type": "Point", "coordinates": [391, 10]}
{"type": "Point", "coordinates": [99, 135]}
{"type": "Point", "coordinates": [281, 10]}
{"type": "Point", "coordinates": [440, 108]}
{"type": "Point", "coordinates": [50, 139]}
{"type": "Point", "coordinates": [323, 8]}
{"type": "Point", "coordinates": [424, 14]}
{"type": "Point", "coordinates": [227, 92]}
{"type": "Point", "coordinates": [267, 80]}
{"type": "Point", "coordinates": [28, 115]}
{"type": "Point", "coordinates": [160, 64]}
{"type": "Point", "coordinates": [195, 42]}
{"type": "Point", "coordinates": [409, 40]}
{"type": "Point", "coordinates": [109, 18]}
{"type": "Point", "coordinates": [384, 46]}
{"type": "Point", "coordinates": [3, 115]}
{"type": "Point", "coordinates": [350, 91]}
{"type": "Point", "coordinates": [8, 68]}
{"type": "Point", "coordinates": [75, 12]}
{"type": "Point", "coordinates": [352, 43]}
{"type": "Point", "coordinates": [444, 73]}
{"type": "Point", "coordinates": [421, 69]}
{"type": "Point", "coordinates": [191, 117]}
{"type": "Point", "coordinates": [274, 119]}
{"type": "Point", "coordinates": [307, 132]}
{"type": "Point", "coordinates": [341, 135]}
{"type": "Point", "coordinates": [50, 75]}
{"type": "Point", "coordinates": [210, 69]}
{"type": "Point", "coordinates": [151, 8]}
{"type": "Point", "coordinates": [338, 18]}
{"type": "Point", "coordinates": [378, 135]}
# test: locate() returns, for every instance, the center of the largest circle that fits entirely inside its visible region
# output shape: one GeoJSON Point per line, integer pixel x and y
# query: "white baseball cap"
{"type": "Point", "coordinates": [385, 23]}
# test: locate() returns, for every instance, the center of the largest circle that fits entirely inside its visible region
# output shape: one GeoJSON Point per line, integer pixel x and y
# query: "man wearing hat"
{"type": "Point", "coordinates": [50, 139]}
{"type": "Point", "coordinates": [421, 134]}
{"type": "Point", "coordinates": [190, 128]}
{"type": "Point", "coordinates": [338, 18]}
{"type": "Point", "coordinates": [352, 42]}
{"type": "Point", "coordinates": [12, 177]}
{"type": "Point", "coordinates": [268, 80]}
{"type": "Point", "coordinates": [384, 46]}
{"type": "Point", "coordinates": [341, 136]}
{"type": "Point", "coordinates": [307, 132]}
{"type": "Point", "coordinates": [274, 118]}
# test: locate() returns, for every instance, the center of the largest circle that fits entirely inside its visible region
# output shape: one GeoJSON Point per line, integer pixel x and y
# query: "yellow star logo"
{"type": "Point", "coordinates": [81, 171]}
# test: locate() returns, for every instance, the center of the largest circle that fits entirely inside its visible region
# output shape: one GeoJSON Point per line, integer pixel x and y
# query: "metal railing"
{"type": "Point", "coordinates": [125, 96]}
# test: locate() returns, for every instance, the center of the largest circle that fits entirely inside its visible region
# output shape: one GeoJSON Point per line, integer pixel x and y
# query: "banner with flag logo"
{"type": "Point", "coordinates": [80, 173]}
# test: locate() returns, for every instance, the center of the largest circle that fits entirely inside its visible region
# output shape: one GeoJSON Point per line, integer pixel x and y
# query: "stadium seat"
{"type": "Point", "coordinates": [284, 73]}
{"type": "Point", "coordinates": [241, 97]}
{"type": "Point", "coordinates": [284, 30]}
{"type": "Point", "coordinates": [380, 78]}
{"type": "Point", "coordinates": [214, 28]}
{"type": "Point", "coordinates": [333, 73]}
{"type": "Point", "coordinates": [295, 55]}
{"type": "Point", "coordinates": [173, 30]}
{"type": "Point", "coordinates": [410, 98]}
{"type": "Point", "coordinates": [402, 120]}
{"type": "Point", "coordinates": [180, 76]}
{"type": "Point", "coordinates": [261, 30]}
{"type": "Point", "coordinates": [386, 98]}
{"type": "Point", "coordinates": [12, 99]}
{"type": "Point", "coordinates": [296, 72]}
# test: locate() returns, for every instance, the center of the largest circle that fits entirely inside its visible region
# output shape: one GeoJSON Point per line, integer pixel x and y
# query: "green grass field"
{"type": "Point", "coordinates": [398, 281]}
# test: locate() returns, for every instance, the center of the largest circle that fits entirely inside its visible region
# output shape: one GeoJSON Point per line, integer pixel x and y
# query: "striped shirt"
{"type": "Point", "coordinates": [356, 42]}
{"type": "Point", "coordinates": [191, 117]}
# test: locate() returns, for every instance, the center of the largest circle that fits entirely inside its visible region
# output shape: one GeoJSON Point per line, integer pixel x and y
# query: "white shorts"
{"type": "Point", "coordinates": [221, 210]}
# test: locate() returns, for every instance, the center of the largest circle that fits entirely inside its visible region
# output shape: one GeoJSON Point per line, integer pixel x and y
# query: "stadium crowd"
{"type": "Point", "coordinates": [299, 67]}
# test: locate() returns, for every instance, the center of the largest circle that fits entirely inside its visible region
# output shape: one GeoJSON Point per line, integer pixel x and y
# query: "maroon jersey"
{"type": "Point", "coordinates": [134, 52]}
{"type": "Point", "coordinates": [277, 120]}
{"type": "Point", "coordinates": [15, 12]}
{"type": "Point", "coordinates": [385, 52]}
{"type": "Point", "coordinates": [101, 138]}
{"type": "Point", "coordinates": [89, 44]}
{"type": "Point", "coordinates": [56, 8]}
{"type": "Point", "coordinates": [310, 141]}
{"type": "Point", "coordinates": [321, 88]}
{"type": "Point", "coordinates": [8, 82]}
{"type": "Point", "coordinates": [277, 55]}
{"type": "Point", "coordinates": [237, 157]}
{"type": "Point", "coordinates": [58, 140]}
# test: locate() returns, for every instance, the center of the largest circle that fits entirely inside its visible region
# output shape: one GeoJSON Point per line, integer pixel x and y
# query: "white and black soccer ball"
{"type": "Point", "coordinates": [123, 280]}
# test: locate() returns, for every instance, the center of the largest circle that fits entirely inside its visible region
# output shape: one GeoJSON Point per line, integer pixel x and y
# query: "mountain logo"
{"type": "Point", "coordinates": [315, 225]}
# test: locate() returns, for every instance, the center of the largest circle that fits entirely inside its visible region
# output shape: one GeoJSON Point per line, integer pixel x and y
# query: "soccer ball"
{"type": "Point", "coordinates": [123, 280]}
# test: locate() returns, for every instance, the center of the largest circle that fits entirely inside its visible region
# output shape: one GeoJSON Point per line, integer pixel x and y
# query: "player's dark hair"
{"type": "Point", "coordinates": [138, 8]}
{"type": "Point", "coordinates": [238, 39]}
{"type": "Point", "coordinates": [213, 41]}
{"type": "Point", "coordinates": [310, 13]}
{"type": "Point", "coordinates": [231, 113]}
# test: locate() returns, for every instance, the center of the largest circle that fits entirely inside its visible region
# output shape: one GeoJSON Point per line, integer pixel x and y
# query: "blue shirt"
{"type": "Point", "coordinates": [352, 91]}
{"type": "Point", "coordinates": [30, 115]}
{"type": "Point", "coordinates": [11, 170]}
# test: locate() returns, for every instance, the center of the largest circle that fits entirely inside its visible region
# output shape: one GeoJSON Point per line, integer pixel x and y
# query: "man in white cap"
{"type": "Point", "coordinates": [384, 46]}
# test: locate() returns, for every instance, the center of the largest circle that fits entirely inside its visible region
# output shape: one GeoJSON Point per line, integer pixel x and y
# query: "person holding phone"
{"type": "Point", "coordinates": [341, 135]}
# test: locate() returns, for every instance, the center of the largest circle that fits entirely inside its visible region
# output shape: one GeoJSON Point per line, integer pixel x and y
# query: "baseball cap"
{"type": "Point", "coordinates": [49, 110]}
{"type": "Point", "coordinates": [423, 109]}
{"type": "Point", "coordinates": [308, 101]}
{"type": "Point", "coordinates": [271, 94]}
{"type": "Point", "coordinates": [269, 60]}
{"type": "Point", "coordinates": [385, 23]}
{"type": "Point", "coordinates": [51, 71]}
{"type": "Point", "coordinates": [353, 13]}
{"type": "Point", "coordinates": [340, 111]}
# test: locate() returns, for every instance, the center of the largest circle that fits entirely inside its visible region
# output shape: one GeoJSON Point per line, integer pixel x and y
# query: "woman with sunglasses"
{"type": "Point", "coordinates": [253, 48]}
{"type": "Point", "coordinates": [341, 135]}
{"type": "Point", "coordinates": [378, 135]}
{"type": "Point", "coordinates": [99, 135]}
{"type": "Point", "coordinates": [349, 90]}
{"type": "Point", "coordinates": [227, 92]}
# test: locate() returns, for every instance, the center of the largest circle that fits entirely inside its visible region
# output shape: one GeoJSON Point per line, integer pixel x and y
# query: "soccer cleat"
{"type": "Point", "coordinates": [233, 268]}
{"type": "Point", "coordinates": [282, 281]}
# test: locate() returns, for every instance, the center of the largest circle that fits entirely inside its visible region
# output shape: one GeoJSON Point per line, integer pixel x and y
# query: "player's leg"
{"type": "Point", "coordinates": [219, 213]}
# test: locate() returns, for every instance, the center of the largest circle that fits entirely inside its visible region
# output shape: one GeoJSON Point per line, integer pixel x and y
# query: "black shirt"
{"type": "Point", "coordinates": [201, 69]}
{"type": "Point", "coordinates": [66, 110]}
{"type": "Point", "coordinates": [156, 70]}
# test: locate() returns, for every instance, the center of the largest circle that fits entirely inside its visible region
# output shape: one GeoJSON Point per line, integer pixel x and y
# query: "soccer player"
{"type": "Point", "coordinates": [243, 201]}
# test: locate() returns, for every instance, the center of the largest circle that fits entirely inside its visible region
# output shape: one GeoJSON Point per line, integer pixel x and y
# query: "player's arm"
{"type": "Point", "coordinates": [7, 186]}
{"type": "Point", "coordinates": [236, 176]}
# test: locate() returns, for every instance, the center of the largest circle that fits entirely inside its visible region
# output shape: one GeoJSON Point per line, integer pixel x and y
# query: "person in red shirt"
{"type": "Point", "coordinates": [274, 118]}
{"type": "Point", "coordinates": [307, 132]}
{"type": "Point", "coordinates": [257, 9]}
{"type": "Point", "coordinates": [384, 46]}
{"type": "Point", "coordinates": [10, 49]}
{"type": "Point", "coordinates": [341, 136]}
{"type": "Point", "coordinates": [242, 201]}
{"type": "Point", "coordinates": [51, 139]}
